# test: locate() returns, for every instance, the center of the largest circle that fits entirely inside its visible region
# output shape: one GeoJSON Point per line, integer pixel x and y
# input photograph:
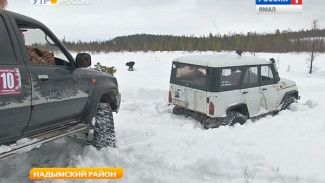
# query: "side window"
{"type": "Point", "coordinates": [7, 55]}
{"type": "Point", "coordinates": [230, 78]}
{"type": "Point", "coordinates": [267, 77]}
{"type": "Point", "coordinates": [250, 78]}
{"type": "Point", "coordinates": [40, 47]}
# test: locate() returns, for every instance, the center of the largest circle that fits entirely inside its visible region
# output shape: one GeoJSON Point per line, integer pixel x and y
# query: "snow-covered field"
{"type": "Point", "coordinates": [156, 146]}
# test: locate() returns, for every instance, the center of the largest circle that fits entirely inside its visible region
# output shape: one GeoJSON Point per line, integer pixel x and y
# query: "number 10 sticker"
{"type": "Point", "coordinates": [10, 81]}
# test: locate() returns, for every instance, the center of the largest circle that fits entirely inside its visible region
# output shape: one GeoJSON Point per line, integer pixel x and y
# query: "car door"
{"type": "Point", "coordinates": [188, 88]}
{"type": "Point", "coordinates": [57, 96]}
{"type": "Point", "coordinates": [15, 88]}
{"type": "Point", "coordinates": [59, 90]}
{"type": "Point", "coordinates": [251, 92]}
{"type": "Point", "coordinates": [268, 87]}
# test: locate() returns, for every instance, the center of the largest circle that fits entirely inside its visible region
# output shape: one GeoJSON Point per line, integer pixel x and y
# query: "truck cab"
{"type": "Point", "coordinates": [42, 87]}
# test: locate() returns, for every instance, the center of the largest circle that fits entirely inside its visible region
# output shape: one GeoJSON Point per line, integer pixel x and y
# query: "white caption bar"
{"type": "Point", "coordinates": [278, 9]}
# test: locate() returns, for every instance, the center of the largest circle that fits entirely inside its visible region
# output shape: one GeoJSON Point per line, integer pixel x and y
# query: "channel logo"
{"type": "Point", "coordinates": [61, 2]}
{"type": "Point", "coordinates": [278, 6]}
{"type": "Point", "coordinates": [279, 2]}
{"type": "Point", "coordinates": [44, 2]}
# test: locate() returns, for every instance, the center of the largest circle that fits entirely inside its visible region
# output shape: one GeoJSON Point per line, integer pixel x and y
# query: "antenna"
{"type": "Point", "coordinates": [272, 60]}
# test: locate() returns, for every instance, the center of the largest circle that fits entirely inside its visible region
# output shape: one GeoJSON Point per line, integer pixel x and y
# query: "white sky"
{"type": "Point", "coordinates": [106, 19]}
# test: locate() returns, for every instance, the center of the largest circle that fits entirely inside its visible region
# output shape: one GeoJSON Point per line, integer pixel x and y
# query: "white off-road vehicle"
{"type": "Point", "coordinates": [228, 89]}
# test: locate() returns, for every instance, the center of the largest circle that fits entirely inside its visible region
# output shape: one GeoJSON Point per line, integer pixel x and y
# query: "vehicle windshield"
{"type": "Point", "coordinates": [191, 74]}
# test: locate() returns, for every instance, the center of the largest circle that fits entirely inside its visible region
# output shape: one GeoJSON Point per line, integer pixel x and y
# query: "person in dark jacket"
{"type": "Point", "coordinates": [130, 65]}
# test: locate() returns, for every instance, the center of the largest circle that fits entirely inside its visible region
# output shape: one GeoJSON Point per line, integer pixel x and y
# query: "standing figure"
{"type": "Point", "coordinates": [130, 65]}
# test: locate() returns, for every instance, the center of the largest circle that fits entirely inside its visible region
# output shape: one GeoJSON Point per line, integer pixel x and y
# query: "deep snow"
{"type": "Point", "coordinates": [156, 146]}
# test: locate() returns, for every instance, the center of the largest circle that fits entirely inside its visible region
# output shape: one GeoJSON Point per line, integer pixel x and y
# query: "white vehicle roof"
{"type": "Point", "coordinates": [221, 60]}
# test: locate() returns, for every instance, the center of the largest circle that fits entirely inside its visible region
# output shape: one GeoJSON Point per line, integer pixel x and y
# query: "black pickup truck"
{"type": "Point", "coordinates": [45, 93]}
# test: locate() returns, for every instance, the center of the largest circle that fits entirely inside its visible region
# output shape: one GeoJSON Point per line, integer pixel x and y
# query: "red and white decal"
{"type": "Point", "coordinates": [296, 2]}
{"type": "Point", "coordinates": [10, 81]}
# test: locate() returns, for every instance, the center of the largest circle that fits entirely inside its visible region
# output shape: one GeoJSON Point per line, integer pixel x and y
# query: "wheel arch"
{"type": "Point", "coordinates": [241, 108]}
{"type": "Point", "coordinates": [102, 94]}
{"type": "Point", "coordinates": [293, 93]}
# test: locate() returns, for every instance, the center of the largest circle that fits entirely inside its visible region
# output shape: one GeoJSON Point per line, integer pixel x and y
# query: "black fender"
{"type": "Point", "coordinates": [241, 108]}
{"type": "Point", "coordinates": [293, 93]}
{"type": "Point", "coordinates": [106, 93]}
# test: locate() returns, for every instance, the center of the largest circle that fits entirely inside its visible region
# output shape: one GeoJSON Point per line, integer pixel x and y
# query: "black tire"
{"type": "Point", "coordinates": [233, 118]}
{"type": "Point", "coordinates": [287, 102]}
{"type": "Point", "coordinates": [104, 132]}
{"type": "Point", "coordinates": [178, 110]}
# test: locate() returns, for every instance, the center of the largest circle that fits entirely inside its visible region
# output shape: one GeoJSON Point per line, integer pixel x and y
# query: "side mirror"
{"type": "Point", "coordinates": [83, 60]}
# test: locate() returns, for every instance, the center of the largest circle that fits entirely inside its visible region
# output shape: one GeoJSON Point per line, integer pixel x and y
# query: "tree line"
{"type": "Point", "coordinates": [279, 41]}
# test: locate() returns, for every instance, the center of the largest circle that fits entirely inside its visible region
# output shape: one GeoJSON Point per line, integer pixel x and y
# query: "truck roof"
{"type": "Point", "coordinates": [221, 60]}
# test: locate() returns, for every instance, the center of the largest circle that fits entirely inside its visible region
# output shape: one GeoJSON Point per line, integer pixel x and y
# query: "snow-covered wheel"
{"type": "Point", "coordinates": [287, 102]}
{"type": "Point", "coordinates": [177, 110]}
{"type": "Point", "coordinates": [233, 118]}
{"type": "Point", "coordinates": [104, 132]}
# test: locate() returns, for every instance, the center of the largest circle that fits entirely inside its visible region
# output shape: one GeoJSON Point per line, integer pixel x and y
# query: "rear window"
{"type": "Point", "coordinates": [7, 55]}
{"type": "Point", "coordinates": [191, 74]}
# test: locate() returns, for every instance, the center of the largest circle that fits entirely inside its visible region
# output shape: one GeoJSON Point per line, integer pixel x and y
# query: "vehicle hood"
{"type": "Point", "coordinates": [285, 83]}
{"type": "Point", "coordinates": [97, 74]}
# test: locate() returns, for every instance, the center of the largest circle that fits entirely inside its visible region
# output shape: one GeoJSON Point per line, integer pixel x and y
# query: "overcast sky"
{"type": "Point", "coordinates": [106, 19]}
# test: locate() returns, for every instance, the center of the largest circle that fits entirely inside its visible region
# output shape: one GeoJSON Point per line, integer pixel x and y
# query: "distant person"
{"type": "Point", "coordinates": [130, 65]}
{"type": "Point", "coordinates": [239, 51]}
{"type": "Point", "coordinates": [38, 56]}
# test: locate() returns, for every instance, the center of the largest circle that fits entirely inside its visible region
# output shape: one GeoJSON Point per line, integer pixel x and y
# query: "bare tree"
{"type": "Point", "coordinates": [313, 54]}
{"type": "Point", "coordinates": [3, 4]}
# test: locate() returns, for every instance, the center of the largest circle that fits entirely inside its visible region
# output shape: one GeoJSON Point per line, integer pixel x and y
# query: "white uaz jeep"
{"type": "Point", "coordinates": [228, 89]}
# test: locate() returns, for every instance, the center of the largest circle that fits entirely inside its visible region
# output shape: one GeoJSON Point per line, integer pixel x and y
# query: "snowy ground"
{"type": "Point", "coordinates": [156, 146]}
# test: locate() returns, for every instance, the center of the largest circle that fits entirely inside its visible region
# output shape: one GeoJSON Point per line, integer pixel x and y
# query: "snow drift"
{"type": "Point", "coordinates": [156, 146]}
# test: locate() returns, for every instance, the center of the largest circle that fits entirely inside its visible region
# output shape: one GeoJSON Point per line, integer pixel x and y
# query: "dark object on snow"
{"type": "Point", "coordinates": [239, 52]}
{"type": "Point", "coordinates": [130, 65]}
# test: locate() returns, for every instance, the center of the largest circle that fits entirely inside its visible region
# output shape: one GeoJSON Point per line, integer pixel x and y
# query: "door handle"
{"type": "Point", "coordinates": [245, 92]}
{"type": "Point", "coordinates": [43, 77]}
{"type": "Point", "coordinates": [264, 89]}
